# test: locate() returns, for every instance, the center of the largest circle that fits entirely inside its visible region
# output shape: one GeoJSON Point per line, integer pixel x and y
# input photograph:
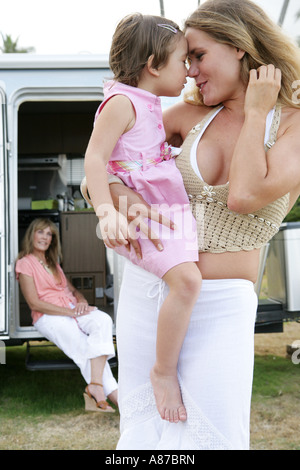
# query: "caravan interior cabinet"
{"type": "Point", "coordinates": [84, 255]}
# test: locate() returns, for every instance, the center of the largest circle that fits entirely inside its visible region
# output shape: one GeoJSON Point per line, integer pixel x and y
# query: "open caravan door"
{"type": "Point", "coordinates": [3, 219]}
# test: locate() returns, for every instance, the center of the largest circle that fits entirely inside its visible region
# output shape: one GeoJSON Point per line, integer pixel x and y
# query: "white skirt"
{"type": "Point", "coordinates": [215, 368]}
{"type": "Point", "coordinates": [82, 339]}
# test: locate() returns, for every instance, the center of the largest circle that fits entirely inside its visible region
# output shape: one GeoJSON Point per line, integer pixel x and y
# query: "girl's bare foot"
{"type": "Point", "coordinates": [168, 397]}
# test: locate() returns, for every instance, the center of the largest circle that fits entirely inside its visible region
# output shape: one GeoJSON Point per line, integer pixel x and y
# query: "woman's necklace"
{"type": "Point", "coordinates": [45, 266]}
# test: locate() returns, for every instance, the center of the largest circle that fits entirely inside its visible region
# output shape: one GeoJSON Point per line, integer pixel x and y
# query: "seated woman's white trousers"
{"type": "Point", "coordinates": [82, 339]}
{"type": "Point", "coordinates": [215, 367]}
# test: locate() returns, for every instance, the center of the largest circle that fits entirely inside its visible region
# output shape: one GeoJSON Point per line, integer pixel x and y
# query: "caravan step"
{"type": "Point", "coordinates": [54, 364]}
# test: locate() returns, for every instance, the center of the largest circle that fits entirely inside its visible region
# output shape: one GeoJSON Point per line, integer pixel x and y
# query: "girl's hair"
{"type": "Point", "coordinates": [137, 37]}
{"type": "Point", "coordinates": [244, 25]}
{"type": "Point", "coordinates": [53, 254]}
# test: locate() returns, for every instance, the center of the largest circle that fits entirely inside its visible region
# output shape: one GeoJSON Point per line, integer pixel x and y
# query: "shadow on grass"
{"type": "Point", "coordinates": [36, 393]}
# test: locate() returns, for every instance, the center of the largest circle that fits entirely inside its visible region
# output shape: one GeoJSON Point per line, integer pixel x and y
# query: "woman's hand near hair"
{"type": "Point", "coordinates": [258, 177]}
{"type": "Point", "coordinates": [263, 89]}
{"type": "Point", "coordinates": [249, 169]}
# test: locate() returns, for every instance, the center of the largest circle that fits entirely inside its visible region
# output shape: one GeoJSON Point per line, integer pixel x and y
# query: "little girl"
{"type": "Point", "coordinates": [147, 58]}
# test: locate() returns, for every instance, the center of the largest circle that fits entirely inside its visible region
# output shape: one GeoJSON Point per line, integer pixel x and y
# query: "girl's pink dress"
{"type": "Point", "coordinates": [142, 159]}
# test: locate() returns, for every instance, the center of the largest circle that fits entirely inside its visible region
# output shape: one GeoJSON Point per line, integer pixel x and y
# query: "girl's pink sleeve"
{"type": "Point", "coordinates": [23, 266]}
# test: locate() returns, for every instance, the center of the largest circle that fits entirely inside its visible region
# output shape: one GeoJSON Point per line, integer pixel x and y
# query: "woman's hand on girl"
{"type": "Point", "coordinates": [113, 226]}
{"type": "Point", "coordinates": [137, 212]}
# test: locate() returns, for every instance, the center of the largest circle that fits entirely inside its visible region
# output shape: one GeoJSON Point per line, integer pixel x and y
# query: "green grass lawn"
{"type": "Point", "coordinates": [27, 393]}
{"type": "Point", "coordinates": [275, 417]}
{"type": "Point", "coordinates": [275, 376]}
{"type": "Point", "coordinates": [45, 409]}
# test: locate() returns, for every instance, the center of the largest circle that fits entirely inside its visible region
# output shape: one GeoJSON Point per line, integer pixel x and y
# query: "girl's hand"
{"type": "Point", "coordinates": [263, 88]}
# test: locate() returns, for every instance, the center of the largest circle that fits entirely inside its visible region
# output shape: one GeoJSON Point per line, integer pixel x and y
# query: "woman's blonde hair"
{"type": "Point", "coordinates": [244, 25]}
{"type": "Point", "coordinates": [53, 254]}
{"type": "Point", "coordinates": [137, 37]}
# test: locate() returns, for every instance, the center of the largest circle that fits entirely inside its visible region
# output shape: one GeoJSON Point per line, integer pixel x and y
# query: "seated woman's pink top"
{"type": "Point", "coordinates": [47, 288]}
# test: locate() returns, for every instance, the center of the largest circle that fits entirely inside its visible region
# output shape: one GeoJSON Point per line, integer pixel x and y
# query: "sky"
{"type": "Point", "coordinates": [86, 26]}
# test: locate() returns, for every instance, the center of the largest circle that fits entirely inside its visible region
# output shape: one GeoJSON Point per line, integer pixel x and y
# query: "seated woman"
{"type": "Point", "coordinates": [62, 315]}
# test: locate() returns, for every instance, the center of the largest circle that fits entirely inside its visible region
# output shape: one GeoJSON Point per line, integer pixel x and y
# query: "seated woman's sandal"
{"type": "Point", "coordinates": [92, 405]}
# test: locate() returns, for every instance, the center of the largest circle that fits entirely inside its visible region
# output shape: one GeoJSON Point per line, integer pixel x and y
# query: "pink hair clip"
{"type": "Point", "coordinates": [169, 27]}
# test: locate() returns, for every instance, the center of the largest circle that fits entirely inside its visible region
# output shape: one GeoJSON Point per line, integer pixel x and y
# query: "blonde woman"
{"type": "Point", "coordinates": [62, 315]}
{"type": "Point", "coordinates": [240, 164]}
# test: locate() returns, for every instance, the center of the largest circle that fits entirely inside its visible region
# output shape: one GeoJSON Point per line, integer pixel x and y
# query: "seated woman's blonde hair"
{"type": "Point", "coordinates": [53, 254]}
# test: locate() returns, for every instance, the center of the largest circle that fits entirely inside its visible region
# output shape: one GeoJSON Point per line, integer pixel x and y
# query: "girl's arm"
{"type": "Point", "coordinates": [257, 177]}
{"type": "Point", "coordinates": [116, 118]}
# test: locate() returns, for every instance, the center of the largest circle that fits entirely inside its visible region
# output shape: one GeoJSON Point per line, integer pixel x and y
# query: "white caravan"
{"type": "Point", "coordinates": [47, 112]}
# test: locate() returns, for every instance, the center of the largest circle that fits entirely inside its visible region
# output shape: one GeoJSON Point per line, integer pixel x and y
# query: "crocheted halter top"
{"type": "Point", "coordinates": [219, 229]}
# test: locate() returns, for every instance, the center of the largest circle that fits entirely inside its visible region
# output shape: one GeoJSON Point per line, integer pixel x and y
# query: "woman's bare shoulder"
{"type": "Point", "coordinates": [290, 115]}
{"type": "Point", "coordinates": [182, 117]}
{"type": "Point", "coordinates": [185, 108]}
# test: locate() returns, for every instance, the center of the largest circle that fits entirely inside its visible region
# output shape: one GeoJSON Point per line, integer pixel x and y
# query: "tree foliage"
{"type": "Point", "coordinates": [11, 46]}
{"type": "Point", "coordinates": [294, 214]}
